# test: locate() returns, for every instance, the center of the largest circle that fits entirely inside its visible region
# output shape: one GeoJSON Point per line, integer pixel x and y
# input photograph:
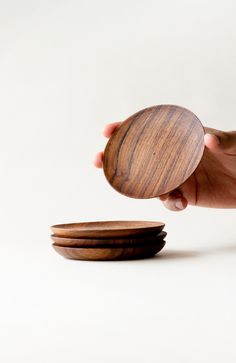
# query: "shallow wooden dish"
{"type": "Point", "coordinates": [154, 151]}
{"type": "Point", "coordinates": [111, 253]}
{"type": "Point", "coordinates": [106, 229]}
{"type": "Point", "coordinates": [106, 242]}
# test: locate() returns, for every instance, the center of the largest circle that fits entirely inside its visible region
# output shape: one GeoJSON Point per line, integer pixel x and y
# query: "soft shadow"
{"type": "Point", "coordinates": [176, 254]}
{"type": "Point", "coordinates": [228, 248]}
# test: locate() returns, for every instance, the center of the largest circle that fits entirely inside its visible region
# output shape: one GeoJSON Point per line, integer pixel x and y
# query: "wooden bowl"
{"type": "Point", "coordinates": [111, 253]}
{"type": "Point", "coordinates": [106, 229]}
{"type": "Point", "coordinates": [106, 242]}
{"type": "Point", "coordinates": [154, 151]}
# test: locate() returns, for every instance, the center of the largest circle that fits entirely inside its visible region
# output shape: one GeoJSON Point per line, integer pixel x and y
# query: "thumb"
{"type": "Point", "coordinates": [221, 142]}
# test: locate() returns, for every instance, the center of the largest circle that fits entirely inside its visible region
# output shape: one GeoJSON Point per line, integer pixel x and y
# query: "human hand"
{"type": "Point", "coordinates": [213, 184]}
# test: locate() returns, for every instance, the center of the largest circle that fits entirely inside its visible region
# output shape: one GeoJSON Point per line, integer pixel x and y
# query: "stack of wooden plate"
{"type": "Point", "coordinates": [110, 240]}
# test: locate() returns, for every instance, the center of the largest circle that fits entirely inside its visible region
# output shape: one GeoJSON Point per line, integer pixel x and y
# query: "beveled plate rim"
{"type": "Point", "coordinates": [113, 247]}
{"type": "Point", "coordinates": [149, 224]}
{"type": "Point", "coordinates": [161, 234]}
{"type": "Point", "coordinates": [119, 241]}
{"type": "Point", "coordinates": [101, 229]}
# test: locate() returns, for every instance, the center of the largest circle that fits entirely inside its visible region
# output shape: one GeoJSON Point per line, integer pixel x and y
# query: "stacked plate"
{"type": "Point", "coordinates": [109, 240]}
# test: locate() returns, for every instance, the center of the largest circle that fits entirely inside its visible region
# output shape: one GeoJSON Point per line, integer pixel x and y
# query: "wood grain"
{"type": "Point", "coordinates": [106, 229]}
{"type": "Point", "coordinates": [154, 151]}
{"type": "Point", "coordinates": [105, 254]}
{"type": "Point", "coordinates": [106, 242]}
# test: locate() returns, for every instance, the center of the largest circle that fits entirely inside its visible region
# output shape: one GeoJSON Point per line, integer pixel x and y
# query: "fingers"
{"type": "Point", "coordinates": [175, 204]}
{"type": "Point", "coordinates": [174, 201]}
{"type": "Point", "coordinates": [98, 160]}
{"type": "Point", "coordinates": [109, 129]}
{"type": "Point", "coordinates": [219, 141]}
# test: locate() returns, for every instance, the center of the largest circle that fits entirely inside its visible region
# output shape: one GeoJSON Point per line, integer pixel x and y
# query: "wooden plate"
{"type": "Point", "coordinates": [106, 229]}
{"type": "Point", "coordinates": [105, 242]}
{"type": "Point", "coordinates": [154, 151]}
{"type": "Point", "coordinates": [111, 253]}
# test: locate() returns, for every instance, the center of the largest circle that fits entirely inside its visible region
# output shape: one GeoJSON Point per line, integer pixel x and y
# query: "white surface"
{"type": "Point", "coordinates": [66, 69]}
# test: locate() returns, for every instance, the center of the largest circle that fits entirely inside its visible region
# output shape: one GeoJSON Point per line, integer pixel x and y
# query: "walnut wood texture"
{"type": "Point", "coordinates": [111, 253]}
{"type": "Point", "coordinates": [154, 151]}
{"type": "Point", "coordinates": [106, 242]}
{"type": "Point", "coordinates": [106, 229]}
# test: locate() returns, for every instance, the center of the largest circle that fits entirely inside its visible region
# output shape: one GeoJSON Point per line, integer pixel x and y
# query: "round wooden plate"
{"type": "Point", "coordinates": [154, 151]}
{"type": "Point", "coordinates": [106, 229]}
{"type": "Point", "coordinates": [105, 242]}
{"type": "Point", "coordinates": [111, 253]}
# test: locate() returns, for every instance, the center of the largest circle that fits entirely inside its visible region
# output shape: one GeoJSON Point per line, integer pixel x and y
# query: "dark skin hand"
{"type": "Point", "coordinates": [213, 183]}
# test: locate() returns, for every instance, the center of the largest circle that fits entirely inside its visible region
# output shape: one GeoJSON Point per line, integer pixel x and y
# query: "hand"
{"type": "Point", "coordinates": [213, 184]}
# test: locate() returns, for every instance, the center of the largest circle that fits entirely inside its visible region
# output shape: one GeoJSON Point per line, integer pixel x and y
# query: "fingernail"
{"type": "Point", "coordinates": [179, 204]}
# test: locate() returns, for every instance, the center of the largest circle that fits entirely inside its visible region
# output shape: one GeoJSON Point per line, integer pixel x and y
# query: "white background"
{"type": "Point", "coordinates": [66, 69]}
